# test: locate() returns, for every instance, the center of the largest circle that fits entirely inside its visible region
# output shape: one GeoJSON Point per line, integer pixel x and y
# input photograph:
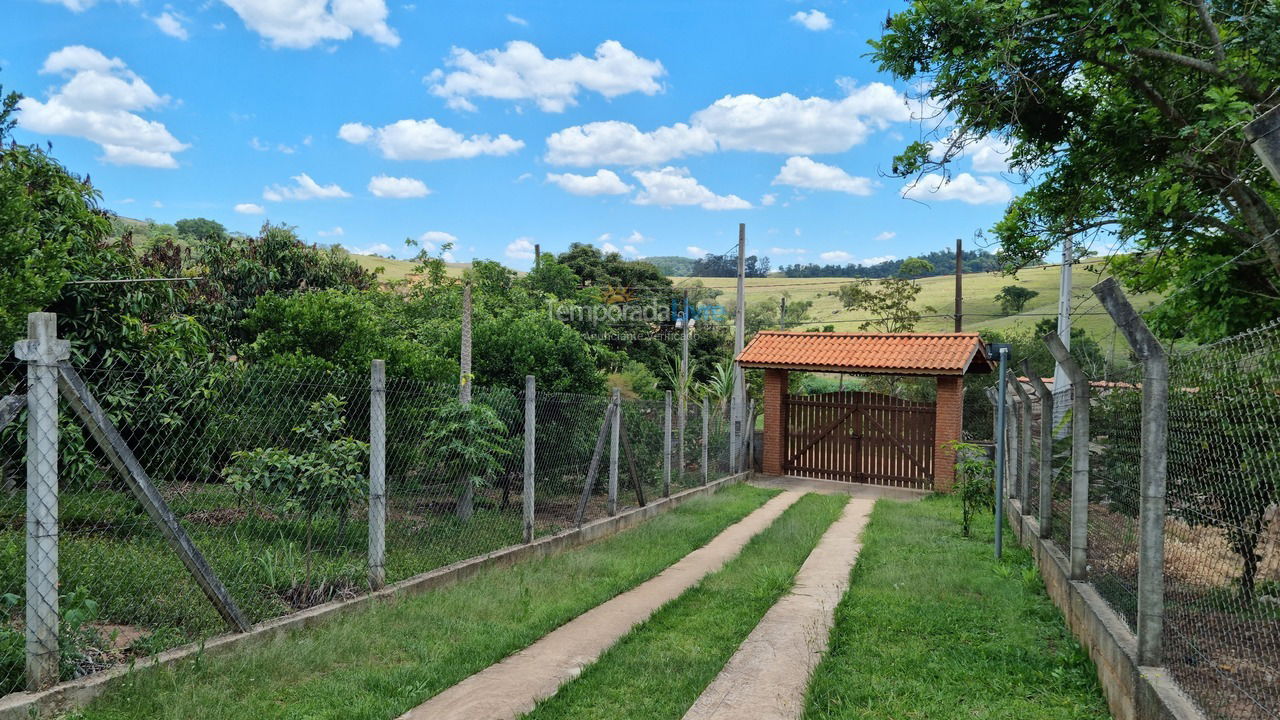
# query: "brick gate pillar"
{"type": "Point", "coordinates": [775, 414]}
{"type": "Point", "coordinates": [948, 422]}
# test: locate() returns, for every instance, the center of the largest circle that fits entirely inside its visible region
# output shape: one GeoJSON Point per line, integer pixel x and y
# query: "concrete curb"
{"type": "Point", "coordinates": [1133, 692]}
{"type": "Point", "coordinates": [77, 693]}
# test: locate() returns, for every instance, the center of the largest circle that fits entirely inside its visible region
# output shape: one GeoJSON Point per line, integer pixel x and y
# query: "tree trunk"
{"type": "Point", "coordinates": [466, 500]}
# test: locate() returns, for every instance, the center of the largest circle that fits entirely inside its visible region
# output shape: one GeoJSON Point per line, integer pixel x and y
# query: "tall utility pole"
{"type": "Point", "coordinates": [537, 256]}
{"type": "Point", "coordinates": [959, 282]}
{"type": "Point", "coordinates": [1263, 134]}
{"type": "Point", "coordinates": [782, 314]}
{"type": "Point", "coordinates": [739, 333]}
{"type": "Point", "coordinates": [1060, 377]}
{"type": "Point", "coordinates": [684, 387]}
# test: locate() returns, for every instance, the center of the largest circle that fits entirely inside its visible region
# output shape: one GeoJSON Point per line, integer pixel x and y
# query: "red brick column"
{"type": "Point", "coordinates": [775, 413]}
{"type": "Point", "coordinates": [947, 425]}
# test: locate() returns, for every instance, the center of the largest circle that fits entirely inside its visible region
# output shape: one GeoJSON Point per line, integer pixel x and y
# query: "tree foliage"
{"type": "Point", "coordinates": [1127, 122]}
{"type": "Point", "coordinates": [888, 303]}
{"type": "Point", "coordinates": [1013, 298]}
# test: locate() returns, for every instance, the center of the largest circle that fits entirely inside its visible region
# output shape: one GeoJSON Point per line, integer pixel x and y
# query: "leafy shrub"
{"type": "Point", "coordinates": [975, 481]}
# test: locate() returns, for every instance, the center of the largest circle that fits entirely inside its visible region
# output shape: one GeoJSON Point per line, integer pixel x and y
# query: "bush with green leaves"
{"type": "Point", "coordinates": [975, 482]}
{"type": "Point", "coordinates": [328, 476]}
{"type": "Point", "coordinates": [467, 442]}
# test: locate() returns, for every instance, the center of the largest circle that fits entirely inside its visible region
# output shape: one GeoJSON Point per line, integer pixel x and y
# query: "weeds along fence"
{"type": "Point", "coordinates": [1177, 524]}
{"type": "Point", "coordinates": [210, 496]}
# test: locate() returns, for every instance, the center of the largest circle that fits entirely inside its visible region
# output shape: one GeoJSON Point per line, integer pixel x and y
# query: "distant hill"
{"type": "Point", "coordinates": [672, 265]}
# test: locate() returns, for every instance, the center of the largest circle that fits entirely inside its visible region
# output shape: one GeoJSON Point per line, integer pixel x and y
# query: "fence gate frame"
{"type": "Point", "coordinates": [947, 357]}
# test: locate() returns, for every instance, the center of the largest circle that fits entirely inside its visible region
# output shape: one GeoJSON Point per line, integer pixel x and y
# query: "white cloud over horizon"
{"type": "Point", "coordinates": [302, 24]}
{"type": "Point", "coordinates": [99, 102]}
{"type": "Point", "coordinates": [249, 209]}
{"type": "Point", "coordinates": [520, 71]}
{"type": "Point", "coordinates": [815, 20]}
{"type": "Point", "coordinates": [426, 140]}
{"type": "Point", "coordinates": [964, 188]}
{"type": "Point", "coordinates": [604, 182]}
{"type": "Point", "coordinates": [385, 186]}
{"type": "Point", "coordinates": [802, 172]}
{"type": "Point", "coordinates": [783, 124]}
{"type": "Point", "coordinates": [304, 188]}
{"type": "Point", "coordinates": [671, 186]}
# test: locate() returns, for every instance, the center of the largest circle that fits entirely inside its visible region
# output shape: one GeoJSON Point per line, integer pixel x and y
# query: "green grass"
{"type": "Point", "coordinates": [393, 269]}
{"type": "Point", "coordinates": [661, 667]}
{"type": "Point", "coordinates": [381, 662]}
{"type": "Point", "coordinates": [933, 627]}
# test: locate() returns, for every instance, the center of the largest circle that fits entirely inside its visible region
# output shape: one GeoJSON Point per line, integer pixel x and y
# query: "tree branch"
{"type": "Point", "coordinates": [1211, 29]}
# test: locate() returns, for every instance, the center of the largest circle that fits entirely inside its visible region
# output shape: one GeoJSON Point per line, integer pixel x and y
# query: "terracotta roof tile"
{"type": "Point", "coordinates": [887, 353]}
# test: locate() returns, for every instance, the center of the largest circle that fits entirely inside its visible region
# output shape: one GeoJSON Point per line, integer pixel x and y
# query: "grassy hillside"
{"type": "Point", "coordinates": [980, 306]}
{"type": "Point", "coordinates": [400, 269]}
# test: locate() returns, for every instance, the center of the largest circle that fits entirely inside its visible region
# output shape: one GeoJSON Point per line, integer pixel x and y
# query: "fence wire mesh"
{"type": "Point", "coordinates": [1035, 409]}
{"type": "Point", "coordinates": [1060, 479]}
{"type": "Point", "coordinates": [1222, 530]}
{"type": "Point", "coordinates": [1115, 425]}
{"type": "Point", "coordinates": [267, 472]}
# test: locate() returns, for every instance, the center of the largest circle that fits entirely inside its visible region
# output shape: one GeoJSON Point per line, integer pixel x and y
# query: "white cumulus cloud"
{"type": "Point", "coordinates": [335, 232]}
{"type": "Point", "coordinates": [803, 172]}
{"type": "Point", "coordinates": [963, 187]}
{"type": "Point", "coordinates": [521, 72]}
{"type": "Point", "coordinates": [780, 124]}
{"type": "Point", "coordinates": [432, 239]}
{"type": "Point", "coordinates": [427, 140]}
{"type": "Point", "coordinates": [516, 19]}
{"type": "Point", "coordinates": [815, 20]}
{"type": "Point", "coordinates": [520, 249]}
{"type": "Point", "coordinates": [613, 142]}
{"type": "Point", "coordinates": [304, 188]}
{"type": "Point", "coordinates": [604, 182]}
{"type": "Point", "coordinates": [170, 23]}
{"type": "Point", "coordinates": [99, 102]}
{"type": "Point", "coordinates": [836, 256]}
{"type": "Point", "coordinates": [385, 186]}
{"type": "Point", "coordinates": [695, 252]}
{"type": "Point", "coordinates": [787, 251]}
{"type": "Point", "coordinates": [301, 24]}
{"type": "Point", "coordinates": [249, 209]}
{"type": "Point", "coordinates": [675, 186]}
{"type": "Point", "coordinates": [886, 235]}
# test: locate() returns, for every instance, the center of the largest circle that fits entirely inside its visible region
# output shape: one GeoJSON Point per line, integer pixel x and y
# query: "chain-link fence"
{"type": "Point", "coordinates": [265, 473]}
{"type": "Point", "coordinates": [1219, 614]}
{"type": "Point", "coordinates": [1222, 533]}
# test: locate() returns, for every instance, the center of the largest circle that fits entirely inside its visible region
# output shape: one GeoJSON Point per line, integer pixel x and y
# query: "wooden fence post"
{"type": "Point", "coordinates": [530, 436]}
{"type": "Point", "coordinates": [1155, 438]}
{"type": "Point", "coordinates": [43, 351]}
{"type": "Point", "coordinates": [1079, 541]}
{"type": "Point", "coordinates": [1046, 448]}
{"type": "Point", "coordinates": [377, 474]}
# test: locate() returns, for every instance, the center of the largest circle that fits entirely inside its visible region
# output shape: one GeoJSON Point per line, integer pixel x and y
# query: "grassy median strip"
{"type": "Point", "coordinates": [933, 627]}
{"type": "Point", "coordinates": [660, 668]}
{"type": "Point", "coordinates": [377, 664]}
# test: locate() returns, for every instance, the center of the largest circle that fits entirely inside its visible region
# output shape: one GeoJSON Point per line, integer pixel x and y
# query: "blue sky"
{"type": "Point", "coordinates": [655, 127]}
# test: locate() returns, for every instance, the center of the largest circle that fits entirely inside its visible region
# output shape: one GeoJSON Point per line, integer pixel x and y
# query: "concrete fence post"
{"type": "Point", "coordinates": [706, 470]}
{"type": "Point", "coordinates": [614, 443]}
{"type": "Point", "coordinates": [43, 351]}
{"type": "Point", "coordinates": [1154, 446]}
{"type": "Point", "coordinates": [1046, 448]}
{"type": "Point", "coordinates": [1023, 442]}
{"type": "Point", "coordinates": [530, 442]}
{"type": "Point", "coordinates": [377, 474]}
{"type": "Point", "coordinates": [666, 447]}
{"type": "Point", "coordinates": [1079, 539]}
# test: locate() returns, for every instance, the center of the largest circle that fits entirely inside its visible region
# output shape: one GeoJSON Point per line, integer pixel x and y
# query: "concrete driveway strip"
{"type": "Point", "coordinates": [767, 678]}
{"type": "Point", "coordinates": [510, 688]}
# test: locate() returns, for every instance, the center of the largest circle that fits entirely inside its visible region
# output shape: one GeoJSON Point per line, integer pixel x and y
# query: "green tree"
{"type": "Point", "coordinates": [200, 228]}
{"type": "Point", "coordinates": [467, 442]}
{"type": "Point", "coordinates": [1127, 123]}
{"type": "Point", "coordinates": [1013, 298]}
{"type": "Point", "coordinates": [915, 267]}
{"type": "Point", "coordinates": [46, 216]}
{"type": "Point", "coordinates": [887, 303]}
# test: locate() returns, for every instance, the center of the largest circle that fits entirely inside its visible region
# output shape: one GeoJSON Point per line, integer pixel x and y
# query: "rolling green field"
{"type": "Point", "coordinates": [980, 306]}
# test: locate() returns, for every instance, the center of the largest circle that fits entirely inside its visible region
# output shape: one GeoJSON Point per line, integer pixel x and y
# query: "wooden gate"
{"type": "Point", "coordinates": [859, 437]}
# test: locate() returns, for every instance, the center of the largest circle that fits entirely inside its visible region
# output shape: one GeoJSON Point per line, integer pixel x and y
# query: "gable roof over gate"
{"type": "Point", "coordinates": [868, 353]}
